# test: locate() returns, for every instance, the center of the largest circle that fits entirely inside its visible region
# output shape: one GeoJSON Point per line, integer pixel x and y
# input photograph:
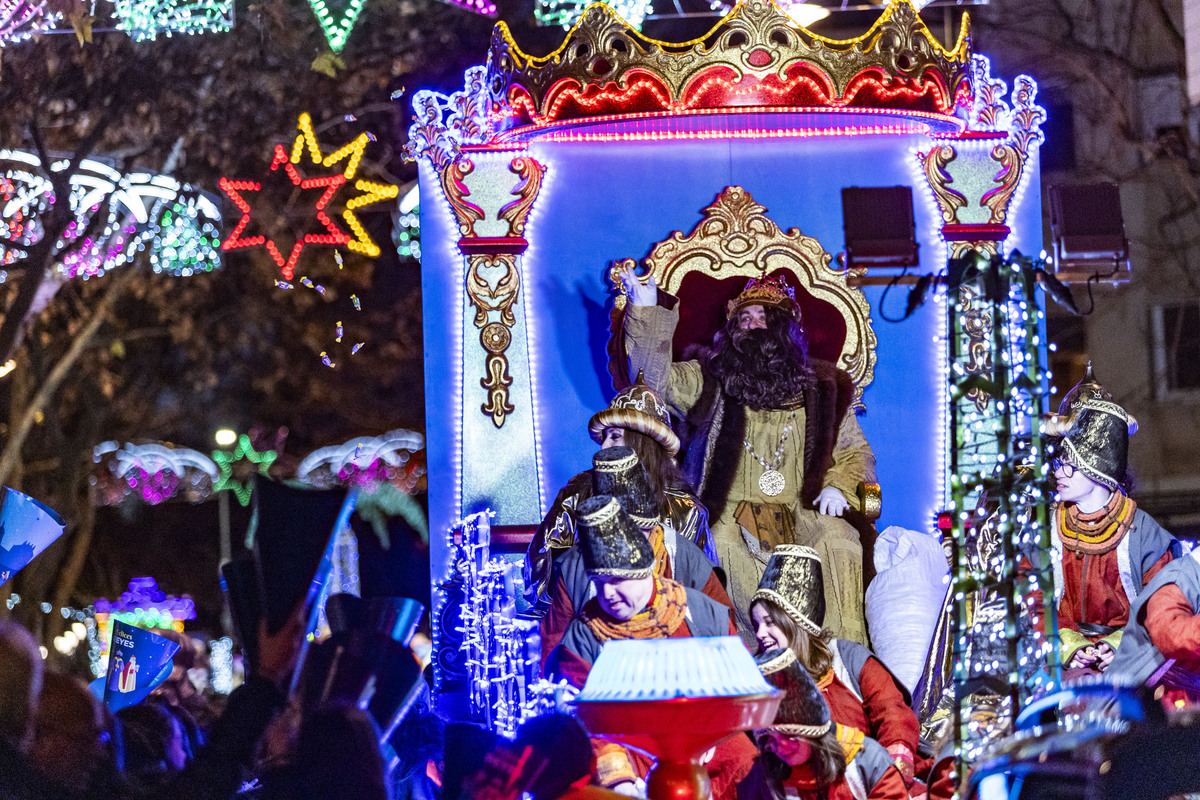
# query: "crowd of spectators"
{"type": "Point", "coordinates": [57, 740]}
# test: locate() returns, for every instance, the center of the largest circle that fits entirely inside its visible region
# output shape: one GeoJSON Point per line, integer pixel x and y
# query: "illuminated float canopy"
{"type": "Point", "coordinates": [609, 81]}
{"type": "Point", "coordinates": [718, 157]}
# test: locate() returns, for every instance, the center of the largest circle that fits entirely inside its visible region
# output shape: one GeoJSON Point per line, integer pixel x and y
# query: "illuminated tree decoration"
{"type": "Point", "coordinates": [133, 208]}
{"type": "Point", "coordinates": [184, 241]}
{"type": "Point", "coordinates": [21, 19]}
{"type": "Point", "coordinates": [306, 141]}
{"type": "Point", "coordinates": [998, 500]}
{"type": "Point", "coordinates": [226, 461]}
{"type": "Point", "coordinates": [146, 19]}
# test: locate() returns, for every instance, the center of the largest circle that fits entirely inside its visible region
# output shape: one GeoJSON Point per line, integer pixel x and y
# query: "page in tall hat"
{"type": "Point", "coordinates": [1104, 550]}
{"type": "Point", "coordinates": [138, 661]}
{"type": "Point", "coordinates": [26, 529]}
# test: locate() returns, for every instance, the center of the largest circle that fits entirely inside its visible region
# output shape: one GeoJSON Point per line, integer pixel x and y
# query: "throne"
{"type": "Point", "coordinates": [708, 267]}
{"type": "Point", "coordinates": [705, 269]}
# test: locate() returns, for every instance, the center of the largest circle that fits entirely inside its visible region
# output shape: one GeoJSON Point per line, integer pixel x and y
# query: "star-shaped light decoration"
{"type": "Point", "coordinates": [227, 459]}
{"type": "Point", "coordinates": [370, 192]}
{"type": "Point", "coordinates": [336, 29]}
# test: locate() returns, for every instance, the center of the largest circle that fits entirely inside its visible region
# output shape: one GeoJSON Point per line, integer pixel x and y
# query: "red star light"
{"type": "Point", "coordinates": [369, 193]}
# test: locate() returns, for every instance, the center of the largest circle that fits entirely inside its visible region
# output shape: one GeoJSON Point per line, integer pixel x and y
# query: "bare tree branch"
{"type": "Point", "coordinates": [16, 437]}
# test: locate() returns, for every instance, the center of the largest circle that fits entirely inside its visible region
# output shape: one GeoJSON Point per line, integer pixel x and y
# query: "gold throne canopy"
{"type": "Point", "coordinates": [736, 241]}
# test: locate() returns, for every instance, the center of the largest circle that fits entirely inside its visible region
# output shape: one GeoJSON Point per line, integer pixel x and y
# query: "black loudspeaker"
{"type": "Point", "coordinates": [1087, 228]}
{"type": "Point", "coordinates": [879, 225]}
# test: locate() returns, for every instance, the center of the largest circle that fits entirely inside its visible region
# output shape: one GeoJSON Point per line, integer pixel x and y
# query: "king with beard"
{"type": "Point", "coordinates": [775, 452]}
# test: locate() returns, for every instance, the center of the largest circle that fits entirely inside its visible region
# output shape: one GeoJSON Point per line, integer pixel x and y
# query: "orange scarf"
{"type": "Point", "coordinates": [661, 618]}
{"type": "Point", "coordinates": [659, 545]}
{"type": "Point", "coordinates": [1099, 531]}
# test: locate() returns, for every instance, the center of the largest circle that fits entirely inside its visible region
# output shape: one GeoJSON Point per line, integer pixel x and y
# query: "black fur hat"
{"type": "Point", "coordinates": [617, 471]}
{"type": "Point", "coordinates": [612, 544]}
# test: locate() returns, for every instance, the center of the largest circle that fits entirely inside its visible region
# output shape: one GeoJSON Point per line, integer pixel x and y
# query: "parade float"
{"type": "Point", "coordinates": [889, 178]}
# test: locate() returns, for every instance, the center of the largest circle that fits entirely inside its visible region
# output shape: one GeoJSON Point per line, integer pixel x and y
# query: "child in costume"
{"type": "Point", "coordinates": [634, 602]}
{"type": "Point", "coordinates": [805, 754]}
{"type": "Point", "coordinates": [637, 418]}
{"type": "Point", "coordinates": [788, 611]}
{"type": "Point", "coordinates": [617, 471]}
{"type": "Point", "coordinates": [1104, 549]}
{"type": "Point", "coordinates": [1161, 643]}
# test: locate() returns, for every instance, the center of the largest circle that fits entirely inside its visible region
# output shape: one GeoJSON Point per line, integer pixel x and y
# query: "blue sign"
{"type": "Point", "coordinates": [26, 529]}
{"type": "Point", "coordinates": [138, 660]}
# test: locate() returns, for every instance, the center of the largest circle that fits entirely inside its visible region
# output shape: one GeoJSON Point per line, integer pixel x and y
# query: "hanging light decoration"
{"type": "Point", "coordinates": [135, 209]}
{"type": "Point", "coordinates": [184, 241]}
{"type": "Point", "coordinates": [406, 233]}
{"type": "Point", "coordinates": [21, 19]}
{"type": "Point", "coordinates": [146, 19]}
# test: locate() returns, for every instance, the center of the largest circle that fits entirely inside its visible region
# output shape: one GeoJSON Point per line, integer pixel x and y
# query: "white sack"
{"type": "Point", "coordinates": [905, 598]}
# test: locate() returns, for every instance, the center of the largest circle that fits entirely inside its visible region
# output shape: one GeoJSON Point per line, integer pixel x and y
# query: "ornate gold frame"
{"type": "Point", "coordinates": [495, 257]}
{"type": "Point", "coordinates": [737, 238]}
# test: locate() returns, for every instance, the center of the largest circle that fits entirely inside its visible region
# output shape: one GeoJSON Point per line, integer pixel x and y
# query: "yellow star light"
{"type": "Point", "coordinates": [352, 154]}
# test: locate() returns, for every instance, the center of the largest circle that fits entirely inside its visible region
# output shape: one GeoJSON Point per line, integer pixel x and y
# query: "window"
{"type": "Point", "coordinates": [1176, 330]}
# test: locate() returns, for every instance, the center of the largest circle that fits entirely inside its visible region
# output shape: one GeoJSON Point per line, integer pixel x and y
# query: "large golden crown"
{"type": "Point", "coordinates": [754, 58]}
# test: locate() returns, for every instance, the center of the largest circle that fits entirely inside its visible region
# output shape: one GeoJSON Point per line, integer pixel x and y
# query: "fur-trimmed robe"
{"type": "Point", "coordinates": [716, 428]}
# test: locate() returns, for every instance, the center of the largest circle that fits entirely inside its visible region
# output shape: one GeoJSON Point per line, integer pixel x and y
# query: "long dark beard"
{"type": "Point", "coordinates": [763, 368]}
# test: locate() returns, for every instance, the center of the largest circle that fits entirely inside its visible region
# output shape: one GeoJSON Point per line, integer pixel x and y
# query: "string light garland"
{"type": "Point", "coordinates": [147, 19]}
{"type": "Point", "coordinates": [306, 141]}
{"type": "Point", "coordinates": [23, 19]}
{"type": "Point", "coordinates": [999, 501]}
